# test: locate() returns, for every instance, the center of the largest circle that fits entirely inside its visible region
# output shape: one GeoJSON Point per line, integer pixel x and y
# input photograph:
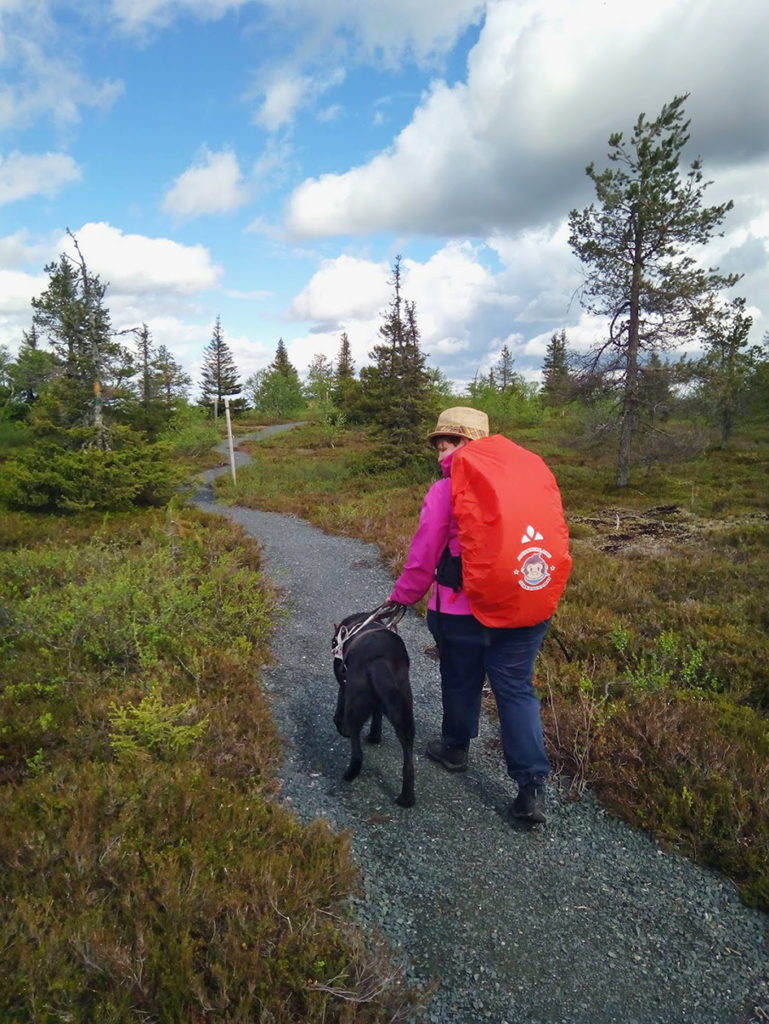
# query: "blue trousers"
{"type": "Point", "coordinates": [469, 652]}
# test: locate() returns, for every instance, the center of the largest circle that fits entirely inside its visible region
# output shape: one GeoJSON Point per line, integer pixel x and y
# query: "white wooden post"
{"type": "Point", "coordinates": [229, 438]}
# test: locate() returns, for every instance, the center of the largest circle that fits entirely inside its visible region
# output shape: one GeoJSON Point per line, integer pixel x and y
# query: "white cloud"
{"type": "Point", "coordinates": [343, 288]}
{"type": "Point", "coordinates": [149, 279]}
{"type": "Point", "coordinates": [42, 75]}
{"type": "Point", "coordinates": [467, 304]}
{"type": "Point", "coordinates": [378, 31]}
{"type": "Point", "coordinates": [384, 32]}
{"type": "Point", "coordinates": [213, 185]}
{"type": "Point", "coordinates": [17, 290]}
{"type": "Point", "coordinates": [508, 147]}
{"type": "Point", "coordinates": [136, 264]}
{"type": "Point", "coordinates": [282, 98]}
{"type": "Point", "coordinates": [137, 16]}
{"type": "Point", "coordinates": [23, 175]}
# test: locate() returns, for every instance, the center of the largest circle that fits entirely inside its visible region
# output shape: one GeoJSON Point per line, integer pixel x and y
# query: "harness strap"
{"type": "Point", "coordinates": [347, 635]}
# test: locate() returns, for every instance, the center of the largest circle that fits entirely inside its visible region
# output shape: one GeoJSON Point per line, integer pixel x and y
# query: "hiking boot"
{"type": "Point", "coordinates": [453, 759]}
{"type": "Point", "coordinates": [529, 805]}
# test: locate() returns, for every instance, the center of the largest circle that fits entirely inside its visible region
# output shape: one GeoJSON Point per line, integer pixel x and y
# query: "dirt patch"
{"type": "Point", "coordinates": [615, 530]}
{"type": "Point", "coordinates": [624, 530]}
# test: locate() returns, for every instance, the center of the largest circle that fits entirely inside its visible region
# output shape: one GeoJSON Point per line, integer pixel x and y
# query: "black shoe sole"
{"type": "Point", "coordinates": [535, 817]}
{"type": "Point", "coordinates": [448, 765]}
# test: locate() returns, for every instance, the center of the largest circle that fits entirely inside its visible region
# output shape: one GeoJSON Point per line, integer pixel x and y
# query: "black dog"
{"type": "Point", "coordinates": [372, 668]}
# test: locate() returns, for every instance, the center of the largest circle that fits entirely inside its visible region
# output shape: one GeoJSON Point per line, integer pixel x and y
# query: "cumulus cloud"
{"type": "Point", "coordinates": [467, 304]}
{"type": "Point", "coordinates": [345, 287]}
{"type": "Point", "coordinates": [508, 147]}
{"type": "Point", "coordinates": [149, 279]}
{"type": "Point", "coordinates": [382, 31]}
{"type": "Point", "coordinates": [213, 185]}
{"type": "Point", "coordinates": [23, 175]}
{"type": "Point", "coordinates": [17, 290]}
{"type": "Point", "coordinates": [137, 264]}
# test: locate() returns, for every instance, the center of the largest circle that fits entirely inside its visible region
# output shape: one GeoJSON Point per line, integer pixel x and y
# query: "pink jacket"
{"type": "Point", "coordinates": [437, 527]}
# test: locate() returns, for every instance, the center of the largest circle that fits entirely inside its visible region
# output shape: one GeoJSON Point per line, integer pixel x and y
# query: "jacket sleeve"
{"type": "Point", "coordinates": [426, 546]}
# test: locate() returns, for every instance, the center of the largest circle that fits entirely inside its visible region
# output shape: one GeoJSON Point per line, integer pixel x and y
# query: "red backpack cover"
{"type": "Point", "coordinates": [512, 531]}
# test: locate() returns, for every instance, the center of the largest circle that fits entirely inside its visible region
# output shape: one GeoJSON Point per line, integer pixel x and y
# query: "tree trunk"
{"type": "Point", "coordinates": [630, 404]}
{"type": "Point", "coordinates": [627, 428]}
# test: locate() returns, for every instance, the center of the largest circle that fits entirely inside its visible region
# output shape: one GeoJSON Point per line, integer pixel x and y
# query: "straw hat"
{"type": "Point", "coordinates": [462, 421]}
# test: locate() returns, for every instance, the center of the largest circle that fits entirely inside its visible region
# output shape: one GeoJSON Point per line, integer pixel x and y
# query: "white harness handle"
{"type": "Point", "coordinates": [389, 620]}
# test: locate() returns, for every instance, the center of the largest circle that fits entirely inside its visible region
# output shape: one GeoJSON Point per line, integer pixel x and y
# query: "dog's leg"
{"type": "Point", "coordinates": [406, 797]}
{"type": "Point", "coordinates": [375, 729]}
{"type": "Point", "coordinates": [405, 731]}
{"type": "Point", "coordinates": [356, 754]}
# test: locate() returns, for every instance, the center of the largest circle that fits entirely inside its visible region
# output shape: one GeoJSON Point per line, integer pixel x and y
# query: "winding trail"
{"type": "Point", "coordinates": [582, 921]}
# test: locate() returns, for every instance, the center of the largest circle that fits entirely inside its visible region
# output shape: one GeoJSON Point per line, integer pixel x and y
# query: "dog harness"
{"type": "Point", "coordinates": [346, 636]}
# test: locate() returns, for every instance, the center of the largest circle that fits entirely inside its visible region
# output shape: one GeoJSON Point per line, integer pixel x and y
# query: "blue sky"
{"type": "Point", "coordinates": [265, 161]}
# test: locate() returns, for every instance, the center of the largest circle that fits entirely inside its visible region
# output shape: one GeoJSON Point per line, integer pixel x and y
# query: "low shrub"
{"type": "Point", "coordinates": [692, 770]}
{"type": "Point", "coordinates": [146, 870]}
{"type": "Point", "coordinates": [71, 472]}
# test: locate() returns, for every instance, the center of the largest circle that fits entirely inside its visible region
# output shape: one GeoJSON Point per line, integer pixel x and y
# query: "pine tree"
{"type": "Point", "coordinates": [727, 364]}
{"type": "Point", "coordinates": [636, 248]}
{"type": "Point", "coordinates": [219, 377]}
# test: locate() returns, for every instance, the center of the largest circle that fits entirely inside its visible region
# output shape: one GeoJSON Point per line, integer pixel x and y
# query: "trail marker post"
{"type": "Point", "coordinates": [229, 438]}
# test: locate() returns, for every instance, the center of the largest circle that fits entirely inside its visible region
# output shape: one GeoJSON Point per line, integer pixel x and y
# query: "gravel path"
{"type": "Point", "coordinates": [582, 921]}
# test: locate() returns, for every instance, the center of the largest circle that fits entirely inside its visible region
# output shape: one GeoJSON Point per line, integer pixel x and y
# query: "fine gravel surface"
{"type": "Point", "coordinates": [584, 920]}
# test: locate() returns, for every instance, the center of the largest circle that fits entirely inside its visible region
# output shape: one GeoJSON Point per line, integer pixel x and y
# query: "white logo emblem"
{"type": "Point", "coordinates": [534, 567]}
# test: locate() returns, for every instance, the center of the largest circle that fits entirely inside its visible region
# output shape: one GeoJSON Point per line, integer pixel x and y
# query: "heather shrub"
{"type": "Point", "coordinates": [146, 870]}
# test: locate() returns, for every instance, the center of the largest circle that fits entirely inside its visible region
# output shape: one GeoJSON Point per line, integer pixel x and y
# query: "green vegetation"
{"type": "Point", "coordinates": [146, 869]}
{"type": "Point", "coordinates": [655, 677]}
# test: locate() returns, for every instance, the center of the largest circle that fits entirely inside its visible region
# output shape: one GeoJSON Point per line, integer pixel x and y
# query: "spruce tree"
{"type": "Point", "coordinates": [556, 373]}
{"type": "Point", "coordinates": [397, 397]}
{"type": "Point", "coordinates": [506, 378]}
{"type": "Point", "coordinates": [347, 391]}
{"type": "Point", "coordinates": [33, 370]}
{"type": "Point", "coordinates": [277, 391]}
{"type": "Point", "coordinates": [219, 377]}
{"type": "Point", "coordinates": [71, 317]}
{"type": "Point", "coordinates": [636, 246]}
{"type": "Point", "coordinates": [171, 381]}
{"type": "Point", "coordinates": [345, 367]}
{"type": "Point", "coordinates": [158, 387]}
